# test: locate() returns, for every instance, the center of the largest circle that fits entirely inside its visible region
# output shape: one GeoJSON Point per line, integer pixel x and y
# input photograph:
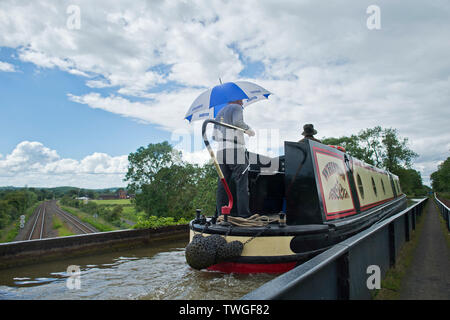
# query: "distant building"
{"type": "Point", "coordinates": [122, 194]}
{"type": "Point", "coordinates": [84, 199]}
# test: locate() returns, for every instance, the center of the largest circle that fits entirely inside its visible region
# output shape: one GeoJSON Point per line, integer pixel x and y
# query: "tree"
{"type": "Point", "coordinates": [385, 149]}
{"type": "Point", "coordinates": [73, 193]}
{"type": "Point", "coordinates": [370, 142]}
{"type": "Point", "coordinates": [411, 182]}
{"type": "Point", "coordinates": [396, 153]}
{"type": "Point", "coordinates": [171, 192]}
{"type": "Point", "coordinates": [145, 163]}
{"type": "Point", "coordinates": [352, 146]}
{"type": "Point", "coordinates": [379, 147]}
{"type": "Point", "coordinates": [5, 212]}
{"type": "Point", "coordinates": [168, 186]}
{"type": "Point", "coordinates": [164, 182]}
{"type": "Point", "coordinates": [13, 203]}
{"type": "Point", "coordinates": [113, 215]}
{"type": "Point", "coordinates": [206, 186]}
{"type": "Point", "coordinates": [440, 179]}
{"type": "Point", "coordinates": [20, 200]}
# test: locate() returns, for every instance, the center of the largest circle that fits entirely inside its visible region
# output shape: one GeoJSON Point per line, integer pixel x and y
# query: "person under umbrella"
{"type": "Point", "coordinates": [224, 103]}
{"type": "Point", "coordinates": [231, 155]}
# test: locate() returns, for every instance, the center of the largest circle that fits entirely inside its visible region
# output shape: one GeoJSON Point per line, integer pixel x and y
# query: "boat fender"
{"type": "Point", "coordinates": [203, 252]}
{"type": "Point", "coordinates": [229, 251]}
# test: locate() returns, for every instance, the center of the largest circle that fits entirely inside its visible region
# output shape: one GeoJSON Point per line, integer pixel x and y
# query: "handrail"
{"type": "Point", "coordinates": [445, 211]}
{"type": "Point", "coordinates": [225, 209]}
{"type": "Point", "coordinates": [344, 263]}
{"type": "Point", "coordinates": [440, 202]}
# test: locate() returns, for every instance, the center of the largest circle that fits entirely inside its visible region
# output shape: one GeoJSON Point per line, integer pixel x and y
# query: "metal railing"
{"type": "Point", "coordinates": [342, 272]}
{"type": "Point", "coordinates": [445, 211]}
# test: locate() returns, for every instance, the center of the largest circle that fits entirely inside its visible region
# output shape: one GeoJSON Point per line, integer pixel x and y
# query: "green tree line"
{"type": "Point", "coordinates": [440, 179]}
{"type": "Point", "coordinates": [13, 203]}
{"type": "Point", "coordinates": [167, 186]}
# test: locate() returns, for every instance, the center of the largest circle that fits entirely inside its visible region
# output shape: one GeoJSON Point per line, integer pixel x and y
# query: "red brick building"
{"type": "Point", "coordinates": [122, 194]}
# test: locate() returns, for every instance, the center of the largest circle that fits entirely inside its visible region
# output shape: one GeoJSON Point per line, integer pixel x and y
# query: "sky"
{"type": "Point", "coordinates": [83, 84]}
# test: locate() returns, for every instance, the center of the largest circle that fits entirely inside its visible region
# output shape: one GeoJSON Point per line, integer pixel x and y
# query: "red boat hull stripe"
{"type": "Point", "coordinates": [236, 267]}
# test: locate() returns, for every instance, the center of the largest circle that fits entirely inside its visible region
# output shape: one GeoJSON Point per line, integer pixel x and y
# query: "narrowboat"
{"type": "Point", "coordinates": [315, 196]}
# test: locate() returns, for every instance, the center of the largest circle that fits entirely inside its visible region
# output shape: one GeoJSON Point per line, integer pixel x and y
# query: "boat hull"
{"type": "Point", "coordinates": [276, 249]}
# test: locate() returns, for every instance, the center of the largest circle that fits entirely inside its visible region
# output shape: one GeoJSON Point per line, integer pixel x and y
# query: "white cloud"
{"type": "Point", "coordinates": [165, 109]}
{"type": "Point", "coordinates": [31, 155]}
{"type": "Point", "coordinates": [103, 163]}
{"type": "Point", "coordinates": [34, 164]}
{"type": "Point", "coordinates": [7, 67]}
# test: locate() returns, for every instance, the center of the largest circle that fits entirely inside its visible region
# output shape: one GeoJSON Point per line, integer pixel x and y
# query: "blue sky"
{"type": "Point", "coordinates": [35, 107]}
{"type": "Point", "coordinates": [75, 101]}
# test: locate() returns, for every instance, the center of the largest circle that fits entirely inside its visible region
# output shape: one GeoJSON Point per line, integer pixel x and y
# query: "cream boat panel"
{"type": "Point", "coordinates": [261, 246]}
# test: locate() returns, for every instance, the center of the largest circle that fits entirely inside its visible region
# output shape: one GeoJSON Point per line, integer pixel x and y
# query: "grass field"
{"type": "Point", "coordinates": [114, 201]}
{"type": "Point", "coordinates": [99, 223]}
{"type": "Point", "coordinates": [59, 226]}
{"type": "Point", "coordinates": [128, 210]}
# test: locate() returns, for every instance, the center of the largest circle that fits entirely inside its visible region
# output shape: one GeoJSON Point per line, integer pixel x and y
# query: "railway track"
{"type": "Point", "coordinates": [83, 228]}
{"type": "Point", "coordinates": [37, 231]}
{"type": "Point", "coordinates": [43, 215]}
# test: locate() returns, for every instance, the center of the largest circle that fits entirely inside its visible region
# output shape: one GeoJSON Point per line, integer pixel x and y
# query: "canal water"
{"type": "Point", "coordinates": [141, 273]}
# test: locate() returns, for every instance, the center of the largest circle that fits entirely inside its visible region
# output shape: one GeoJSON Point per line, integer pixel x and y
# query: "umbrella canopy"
{"type": "Point", "coordinates": [211, 101]}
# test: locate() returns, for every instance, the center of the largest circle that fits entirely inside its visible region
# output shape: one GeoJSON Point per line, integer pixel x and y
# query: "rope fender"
{"type": "Point", "coordinates": [203, 252]}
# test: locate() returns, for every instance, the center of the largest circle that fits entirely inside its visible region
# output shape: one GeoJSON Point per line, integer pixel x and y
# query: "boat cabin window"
{"type": "Point", "coordinates": [374, 187]}
{"type": "Point", "coordinates": [360, 185]}
{"type": "Point", "coordinates": [382, 186]}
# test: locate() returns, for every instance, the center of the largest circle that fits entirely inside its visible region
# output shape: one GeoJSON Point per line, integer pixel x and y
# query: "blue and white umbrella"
{"type": "Point", "coordinates": [208, 104]}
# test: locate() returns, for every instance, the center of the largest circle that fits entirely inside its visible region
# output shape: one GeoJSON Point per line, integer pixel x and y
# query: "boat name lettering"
{"type": "Point", "coordinates": [330, 169]}
{"type": "Point", "coordinates": [338, 192]}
